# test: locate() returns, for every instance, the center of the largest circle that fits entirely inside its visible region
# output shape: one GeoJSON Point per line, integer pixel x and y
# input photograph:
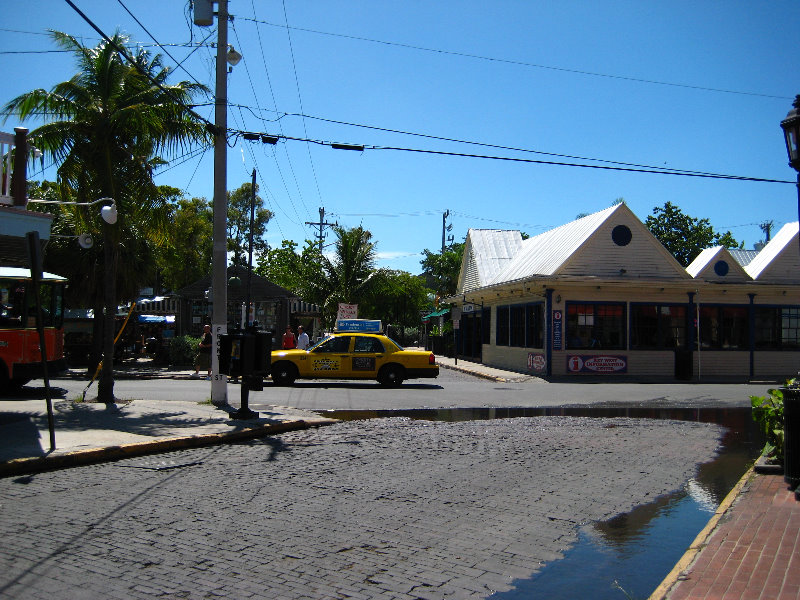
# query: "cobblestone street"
{"type": "Point", "coordinates": [369, 509]}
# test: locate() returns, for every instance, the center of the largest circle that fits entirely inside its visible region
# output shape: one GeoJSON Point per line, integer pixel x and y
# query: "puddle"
{"type": "Point", "coordinates": [628, 556]}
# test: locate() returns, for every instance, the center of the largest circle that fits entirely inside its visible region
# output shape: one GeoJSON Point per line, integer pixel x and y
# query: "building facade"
{"type": "Point", "coordinates": [602, 296]}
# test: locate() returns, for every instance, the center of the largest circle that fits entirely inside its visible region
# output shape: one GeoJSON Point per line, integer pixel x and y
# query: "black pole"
{"type": "Point", "coordinates": [250, 251]}
{"type": "Point", "coordinates": [34, 257]}
{"type": "Point", "coordinates": [249, 380]}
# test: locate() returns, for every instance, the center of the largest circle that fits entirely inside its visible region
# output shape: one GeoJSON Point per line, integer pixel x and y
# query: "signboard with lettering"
{"type": "Point", "coordinates": [597, 364]}
{"type": "Point", "coordinates": [358, 326]}
{"type": "Point", "coordinates": [537, 362]}
{"type": "Point", "coordinates": [347, 311]}
{"type": "Point", "coordinates": [557, 329]}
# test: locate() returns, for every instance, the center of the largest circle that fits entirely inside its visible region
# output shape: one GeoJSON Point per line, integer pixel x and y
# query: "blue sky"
{"type": "Point", "coordinates": [699, 86]}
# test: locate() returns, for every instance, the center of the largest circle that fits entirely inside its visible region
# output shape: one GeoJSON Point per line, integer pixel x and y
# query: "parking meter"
{"type": "Point", "coordinates": [246, 354]}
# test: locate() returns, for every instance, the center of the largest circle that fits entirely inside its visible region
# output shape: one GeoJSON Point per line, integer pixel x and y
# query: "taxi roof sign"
{"type": "Point", "coordinates": [358, 326]}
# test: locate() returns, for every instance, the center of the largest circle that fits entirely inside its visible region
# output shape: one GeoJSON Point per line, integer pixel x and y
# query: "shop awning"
{"type": "Point", "coordinates": [436, 313]}
{"type": "Point", "coordinates": [156, 318]}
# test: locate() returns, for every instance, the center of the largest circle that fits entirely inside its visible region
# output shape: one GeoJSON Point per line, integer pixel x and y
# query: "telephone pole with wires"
{"type": "Point", "coordinates": [321, 224]}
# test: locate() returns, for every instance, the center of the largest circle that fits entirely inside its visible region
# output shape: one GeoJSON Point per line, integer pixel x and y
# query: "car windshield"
{"type": "Point", "coordinates": [399, 347]}
{"type": "Point", "coordinates": [320, 341]}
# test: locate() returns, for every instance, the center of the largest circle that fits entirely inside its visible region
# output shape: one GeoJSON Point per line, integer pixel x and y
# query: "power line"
{"type": "Point", "coordinates": [300, 98]}
{"type": "Point", "coordinates": [152, 37]}
{"type": "Point", "coordinates": [476, 143]}
{"type": "Point", "coordinates": [522, 63]}
{"type": "Point", "coordinates": [124, 53]}
{"type": "Point", "coordinates": [654, 171]}
{"type": "Point", "coordinates": [275, 205]}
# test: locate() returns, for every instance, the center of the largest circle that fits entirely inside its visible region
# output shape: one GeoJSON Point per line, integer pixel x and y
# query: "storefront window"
{"type": "Point", "coordinates": [501, 336]}
{"type": "Point", "coordinates": [533, 324]}
{"type": "Point", "coordinates": [658, 326]}
{"type": "Point", "coordinates": [520, 325]}
{"type": "Point", "coordinates": [596, 326]}
{"type": "Point", "coordinates": [517, 329]}
{"type": "Point", "coordinates": [777, 328]}
{"type": "Point", "coordinates": [724, 327]}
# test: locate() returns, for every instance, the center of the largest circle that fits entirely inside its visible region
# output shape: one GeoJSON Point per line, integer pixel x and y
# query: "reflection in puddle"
{"type": "Point", "coordinates": [629, 555]}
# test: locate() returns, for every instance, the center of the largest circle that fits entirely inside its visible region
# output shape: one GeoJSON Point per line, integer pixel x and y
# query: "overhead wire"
{"type": "Point", "coordinates": [651, 170]}
{"type": "Point", "coordinates": [523, 63]}
{"type": "Point", "coordinates": [289, 161]}
{"type": "Point", "coordinates": [300, 99]}
{"type": "Point", "coordinates": [260, 174]}
{"type": "Point", "coordinates": [161, 46]}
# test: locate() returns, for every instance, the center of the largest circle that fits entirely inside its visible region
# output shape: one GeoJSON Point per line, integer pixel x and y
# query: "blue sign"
{"type": "Point", "coordinates": [358, 326]}
{"type": "Point", "coordinates": [557, 329]}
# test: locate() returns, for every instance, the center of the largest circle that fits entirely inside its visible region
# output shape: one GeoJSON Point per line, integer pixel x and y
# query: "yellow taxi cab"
{"type": "Point", "coordinates": [356, 350]}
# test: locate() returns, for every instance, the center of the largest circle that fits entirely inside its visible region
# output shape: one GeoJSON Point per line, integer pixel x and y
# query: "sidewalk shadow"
{"type": "Point", "coordinates": [20, 437]}
{"type": "Point", "coordinates": [29, 392]}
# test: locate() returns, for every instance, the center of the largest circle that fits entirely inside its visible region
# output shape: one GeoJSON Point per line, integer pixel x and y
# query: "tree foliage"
{"type": "Point", "coordinates": [684, 236]}
{"type": "Point", "coordinates": [441, 270]}
{"type": "Point", "coordinates": [290, 269]}
{"type": "Point", "coordinates": [186, 257]}
{"type": "Point", "coordinates": [106, 128]}
{"type": "Point", "coordinates": [238, 223]}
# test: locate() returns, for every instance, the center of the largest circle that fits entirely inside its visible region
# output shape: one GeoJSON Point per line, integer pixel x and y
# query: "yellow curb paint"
{"type": "Point", "coordinates": [19, 466]}
{"type": "Point", "coordinates": [699, 542]}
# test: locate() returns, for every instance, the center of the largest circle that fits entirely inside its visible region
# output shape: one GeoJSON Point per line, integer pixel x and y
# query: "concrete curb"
{"type": "Point", "coordinates": [471, 372]}
{"type": "Point", "coordinates": [24, 466]}
{"type": "Point", "coordinates": [700, 541]}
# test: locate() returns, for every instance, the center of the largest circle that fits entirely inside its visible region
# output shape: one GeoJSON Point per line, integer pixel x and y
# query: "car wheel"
{"type": "Point", "coordinates": [284, 373]}
{"type": "Point", "coordinates": [391, 376]}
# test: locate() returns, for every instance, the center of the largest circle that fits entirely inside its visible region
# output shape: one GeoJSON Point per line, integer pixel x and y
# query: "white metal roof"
{"type": "Point", "coordinates": [701, 260]}
{"type": "Point", "coordinates": [546, 252]}
{"type": "Point", "coordinates": [19, 273]}
{"type": "Point", "coordinates": [486, 253]}
{"type": "Point", "coordinates": [702, 263]}
{"type": "Point", "coordinates": [770, 252]}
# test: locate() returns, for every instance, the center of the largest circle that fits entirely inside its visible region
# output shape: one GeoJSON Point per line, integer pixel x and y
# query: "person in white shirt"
{"type": "Point", "coordinates": [302, 338]}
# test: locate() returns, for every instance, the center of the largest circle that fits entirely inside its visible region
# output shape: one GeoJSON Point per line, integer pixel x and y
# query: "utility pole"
{"type": "Point", "coordinates": [446, 229]}
{"type": "Point", "coordinates": [766, 227]}
{"type": "Point", "coordinates": [219, 255]}
{"type": "Point", "coordinates": [322, 224]}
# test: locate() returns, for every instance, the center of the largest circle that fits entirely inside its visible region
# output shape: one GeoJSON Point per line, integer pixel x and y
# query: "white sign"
{"type": "Point", "coordinates": [347, 311]}
{"type": "Point", "coordinates": [467, 308]}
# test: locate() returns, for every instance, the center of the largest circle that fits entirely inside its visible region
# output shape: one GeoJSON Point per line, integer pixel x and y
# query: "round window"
{"type": "Point", "coordinates": [721, 268]}
{"type": "Point", "coordinates": [621, 235]}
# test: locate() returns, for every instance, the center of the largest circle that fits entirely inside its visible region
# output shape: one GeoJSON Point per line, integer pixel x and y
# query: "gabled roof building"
{"type": "Point", "coordinates": [601, 295]}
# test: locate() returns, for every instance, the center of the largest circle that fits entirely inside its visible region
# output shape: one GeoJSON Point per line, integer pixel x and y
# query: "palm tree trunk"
{"type": "Point", "coordinates": [105, 386]}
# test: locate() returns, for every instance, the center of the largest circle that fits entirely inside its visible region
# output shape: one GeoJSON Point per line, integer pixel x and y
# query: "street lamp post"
{"type": "Point", "coordinates": [791, 134]}
{"type": "Point", "coordinates": [791, 394]}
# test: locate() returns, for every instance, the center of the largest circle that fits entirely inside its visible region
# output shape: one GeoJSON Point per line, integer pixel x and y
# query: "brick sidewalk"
{"type": "Point", "coordinates": [754, 552]}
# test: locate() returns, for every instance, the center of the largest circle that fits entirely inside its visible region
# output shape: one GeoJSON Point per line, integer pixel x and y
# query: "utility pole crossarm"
{"type": "Point", "coordinates": [321, 224]}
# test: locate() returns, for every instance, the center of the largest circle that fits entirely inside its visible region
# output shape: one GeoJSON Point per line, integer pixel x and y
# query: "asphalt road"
{"type": "Point", "coordinates": [450, 389]}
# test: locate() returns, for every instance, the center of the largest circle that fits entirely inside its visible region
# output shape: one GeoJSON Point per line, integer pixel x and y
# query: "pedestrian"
{"type": "Point", "coordinates": [289, 341]}
{"type": "Point", "coordinates": [203, 360]}
{"type": "Point", "coordinates": [302, 338]}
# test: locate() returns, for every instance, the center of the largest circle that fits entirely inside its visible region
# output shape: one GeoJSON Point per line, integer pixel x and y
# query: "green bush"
{"type": "Point", "coordinates": [768, 413]}
{"type": "Point", "coordinates": [183, 350]}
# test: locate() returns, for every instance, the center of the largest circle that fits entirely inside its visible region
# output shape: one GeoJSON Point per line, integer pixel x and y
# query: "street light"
{"type": "Point", "coordinates": [791, 134]}
{"type": "Point", "coordinates": [108, 213]}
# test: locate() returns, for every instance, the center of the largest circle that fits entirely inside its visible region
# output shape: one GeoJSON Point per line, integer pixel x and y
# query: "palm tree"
{"type": "Point", "coordinates": [106, 128]}
{"type": "Point", "coordinates": [346, 276]}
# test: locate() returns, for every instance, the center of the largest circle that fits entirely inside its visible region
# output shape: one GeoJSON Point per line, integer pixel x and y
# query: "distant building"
{"type": "Point", "coordinates": [601, 295]}
{"type": "Point", "coordinates": [271, 303]}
